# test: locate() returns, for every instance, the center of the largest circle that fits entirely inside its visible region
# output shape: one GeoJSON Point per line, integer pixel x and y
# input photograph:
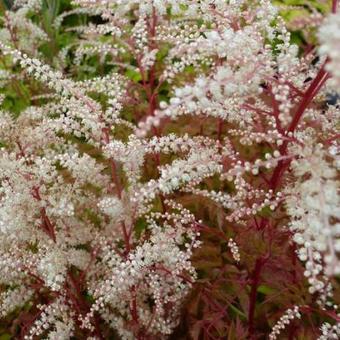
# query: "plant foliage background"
{"type": "Point", "coordinates": [247, 273]}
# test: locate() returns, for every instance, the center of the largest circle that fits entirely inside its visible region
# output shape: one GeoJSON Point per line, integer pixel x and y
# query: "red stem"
{"type": "Point", "coordinates": [334, 6]}
{"type": "Point", "coordinates": [219, 128]}
{"type": "Point", "coordinates": [80, 303]}
{"type": "Point", "coordinates": [253, 294]}
{"type": "Point", "coordinates": [126, 235]}
{"type": "Point", "coordinates": [311, 92]}
{"type": "Point", "coordinates": [307, 98]}
{"type": "Point", "coordinates": [46, 225]}
{"type": "Point", "coordinates": [116, 179]}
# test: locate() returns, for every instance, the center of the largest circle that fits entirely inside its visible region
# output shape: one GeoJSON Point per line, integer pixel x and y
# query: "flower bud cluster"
{"type": "Point", "coordinates": [329, 36]}
{"type": "Point", "coordinates": [329, 332]}
{"type": "Point", "coordinates": [313, 202]}
{"type": "Point", "coordinates": [284, 321]}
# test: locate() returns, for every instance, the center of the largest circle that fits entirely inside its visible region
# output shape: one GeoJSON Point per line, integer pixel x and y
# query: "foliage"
{"type": "Point", "coordinates": [169, 169]}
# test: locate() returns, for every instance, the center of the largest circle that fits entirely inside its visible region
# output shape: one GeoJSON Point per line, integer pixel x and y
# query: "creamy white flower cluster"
{"type": "Point", "coordinates": [56, 315]}
{"type": "Point", "coordinates": [145, 7]}
{"type": "Point", "coordinates": [236, 77]}
{"type": "Point", "coordinates": [17, 23]}
{"type": "Point", "coordinates": [284, 321]}
{"type": "Point", "coordinates": [329, 331]}
{"type": "Point", "coordinates": [313, 204]}
{"type": "Point", "coordinates": [329, 36]}
{"type": "Point", "coordinates": [12, 299]}
{"type": "Point", "coordinates": [157, 269]}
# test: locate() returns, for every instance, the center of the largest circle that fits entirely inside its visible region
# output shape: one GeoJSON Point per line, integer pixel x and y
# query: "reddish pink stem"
{"type": "Point", "coordinates": [334, 6]}
{"type": "Point", "coordinates": [306, 100]}
{"type": "Point", "coordinates": [256, 275]}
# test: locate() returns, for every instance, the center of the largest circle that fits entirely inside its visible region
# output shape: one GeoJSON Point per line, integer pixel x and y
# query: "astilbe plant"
{"type": "Point", "coordinates": [168, 169]}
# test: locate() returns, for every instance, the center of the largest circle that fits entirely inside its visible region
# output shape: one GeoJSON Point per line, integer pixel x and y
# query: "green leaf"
{"type": "Point", "coordinates": [162, 53]}
{"type": "Point", "coordinates": [190, 69]}
{"type": "Point", "coordinates": [5, 336]}
{"type": "Point", "coordinates": [265, 290]}
{"type": "Point", "coordinates": [238, 312]}
{"type": "Point", "coordinates": [140, 226]}
{"type": "Point", "coordinates": [183, 7]}
{"type": "Point", "coordinates": [265, 212]}
{"type": "Point", "coordinates": [133, 75]}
